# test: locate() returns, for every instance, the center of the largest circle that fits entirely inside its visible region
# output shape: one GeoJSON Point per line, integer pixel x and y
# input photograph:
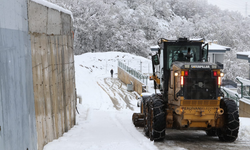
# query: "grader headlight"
{"type": "Point", "coordinates": [222, 74]}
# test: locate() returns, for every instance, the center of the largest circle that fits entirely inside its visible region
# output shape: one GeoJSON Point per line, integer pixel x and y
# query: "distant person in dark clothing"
{"type": "Point", "coordinates": [111, 71]}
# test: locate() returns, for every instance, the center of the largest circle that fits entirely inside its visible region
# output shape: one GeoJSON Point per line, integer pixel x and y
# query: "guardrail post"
{"type": "Point", "coordinates": [241, 87]}
{"type": "Point", "coordinates": [237, 100]}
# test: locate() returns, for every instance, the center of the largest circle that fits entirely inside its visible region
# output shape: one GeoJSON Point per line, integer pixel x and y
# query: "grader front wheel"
{"type": "Point", "coordinates": [146, 110]}
{"type": "Point", "coordinates": [156, 118]}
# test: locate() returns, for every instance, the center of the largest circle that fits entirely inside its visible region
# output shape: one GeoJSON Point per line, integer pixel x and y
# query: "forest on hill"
{"type": "Point", "coordinates": [134, 25]}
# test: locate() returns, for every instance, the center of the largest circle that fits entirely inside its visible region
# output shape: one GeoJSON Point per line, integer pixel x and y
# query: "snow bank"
{"type": "Point", "coordinates": [244, 132]}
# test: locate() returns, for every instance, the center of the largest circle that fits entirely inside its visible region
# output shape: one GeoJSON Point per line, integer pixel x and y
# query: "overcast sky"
{"type": "Point", "coordinates": [234, 5]}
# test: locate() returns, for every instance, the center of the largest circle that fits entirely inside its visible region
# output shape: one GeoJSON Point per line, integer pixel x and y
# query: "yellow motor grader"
{"type": "Point", "coordinates": [190, 94]}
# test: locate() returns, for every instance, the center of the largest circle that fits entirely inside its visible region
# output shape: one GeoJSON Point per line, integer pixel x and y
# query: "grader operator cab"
{"type": "Point", "coordinates": [190, 96]}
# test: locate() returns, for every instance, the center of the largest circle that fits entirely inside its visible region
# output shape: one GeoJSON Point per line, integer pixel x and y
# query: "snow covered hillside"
{"type": "Point", "coordinates": [105, 119]}
{"type": "Point", "coordinates": [134, 25]}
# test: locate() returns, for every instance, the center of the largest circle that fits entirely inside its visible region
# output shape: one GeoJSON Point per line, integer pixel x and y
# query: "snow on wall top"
{"type": "Point", "coordinates": [53, 6]}
{"type": "Point", "coordinates": [245, 100]}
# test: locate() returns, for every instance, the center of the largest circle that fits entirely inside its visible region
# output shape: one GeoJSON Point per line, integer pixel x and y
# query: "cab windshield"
{"type": "Point", "coordinates": [184, 53]}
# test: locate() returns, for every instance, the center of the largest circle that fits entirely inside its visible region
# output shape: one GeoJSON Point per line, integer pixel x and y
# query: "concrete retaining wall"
{"type": "Point", "coordinates": [244, 109]}
{"type": "Point", "coordinates": [37, 77]}
{"type": "Point", "coordinates": [17, 109]}
{"type": "Point", "coordinates": [53, 71]}
{"type": "Point", "coordinates": [126, 78]}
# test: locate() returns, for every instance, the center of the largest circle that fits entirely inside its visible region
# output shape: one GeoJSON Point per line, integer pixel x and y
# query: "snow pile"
{"type": "Point", "coordinates": [244, 132]}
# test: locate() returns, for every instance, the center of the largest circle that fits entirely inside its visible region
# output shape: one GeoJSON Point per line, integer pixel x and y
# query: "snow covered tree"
{"type": "Point", "coordinates": [134, 25]}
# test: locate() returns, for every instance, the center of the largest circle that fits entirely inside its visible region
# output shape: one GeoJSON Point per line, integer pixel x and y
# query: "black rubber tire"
{"type": "Point", "coordinates": [150, 119]}
{"type": "Point", "coordinates": [156, 118]}
{"type": "Point", "coordinates": [229, 132]}
{"type": "Point", "coordinates": [145, 109]}
{"type": "Point", "coordinates": [211, 132]}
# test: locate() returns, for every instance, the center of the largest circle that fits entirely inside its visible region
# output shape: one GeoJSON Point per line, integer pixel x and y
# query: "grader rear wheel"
{"type": "Point", "coordinates": [229, 132]}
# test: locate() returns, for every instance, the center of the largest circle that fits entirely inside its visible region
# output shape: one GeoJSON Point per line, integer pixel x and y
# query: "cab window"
{"type": "Point", "coordinates": [187, 53]}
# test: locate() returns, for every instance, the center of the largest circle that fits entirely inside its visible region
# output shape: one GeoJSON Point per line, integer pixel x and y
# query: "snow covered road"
{"type": "Point", "coordinates": [105, 119]}
{"type": "Point", "coordinates": [103, 127]}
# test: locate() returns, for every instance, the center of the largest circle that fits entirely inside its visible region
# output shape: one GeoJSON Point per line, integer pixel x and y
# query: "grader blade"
{"type": "Point", "coordinates": [138, 119]}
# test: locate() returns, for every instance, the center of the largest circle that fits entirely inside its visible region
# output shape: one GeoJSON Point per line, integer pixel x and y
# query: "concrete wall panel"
{"type": "Point", "coordinates": [17, 110]}
{"type": "Point", "coordinates": [66, 24]}
{"type": "Point", "coordinates": [244, 109]}
{"type": "Point", "coordinates": [38, 18]}
{"type": "Point", "coordinates": [54, 88]}
{"type": "Point", "coordinates": [54, 22]}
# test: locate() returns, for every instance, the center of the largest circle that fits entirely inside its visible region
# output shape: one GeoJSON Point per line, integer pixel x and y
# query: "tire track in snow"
{"type": "Point", "coordinates": [116, 86]}
{"type": "Point", "coordinates": [113, 99]}
{"type": "Point", "coordinates": [126, 131]}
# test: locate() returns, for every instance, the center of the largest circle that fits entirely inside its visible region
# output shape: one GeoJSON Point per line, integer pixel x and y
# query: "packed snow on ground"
{"type": "Point", "coordinates": [105, 119]}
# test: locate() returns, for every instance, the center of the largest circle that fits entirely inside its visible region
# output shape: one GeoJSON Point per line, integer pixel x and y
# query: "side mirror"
{"type": "Point", "coordinates": [155, 59]}
{"type": "Point", "coordinates": [205, 53]}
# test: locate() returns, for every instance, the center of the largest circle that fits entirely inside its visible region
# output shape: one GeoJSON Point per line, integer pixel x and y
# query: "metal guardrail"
{"type": "Point", "coordinates": [244, 83]}
{"type": "Point", "coordinates": [134, 73]}
{"type": "Point", "coordinates": [231, 94]}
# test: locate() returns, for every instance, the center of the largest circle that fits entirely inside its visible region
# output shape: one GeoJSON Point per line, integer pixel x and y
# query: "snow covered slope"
{"type": "Point", "coordinates": [105, 119]}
